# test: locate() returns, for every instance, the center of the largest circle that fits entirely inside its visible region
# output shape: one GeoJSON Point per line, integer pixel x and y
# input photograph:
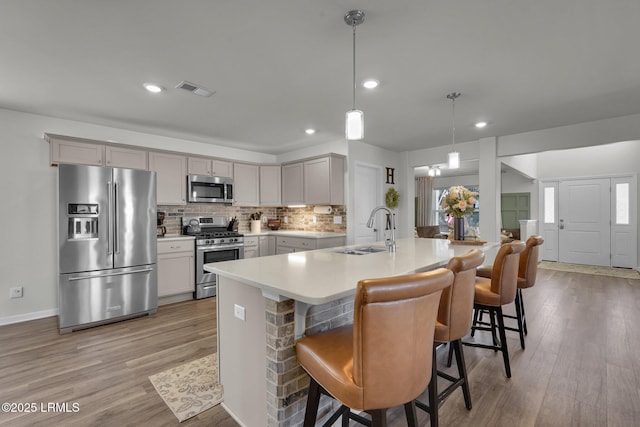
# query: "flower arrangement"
{"type": "Point", "coordinates": [459, 202]}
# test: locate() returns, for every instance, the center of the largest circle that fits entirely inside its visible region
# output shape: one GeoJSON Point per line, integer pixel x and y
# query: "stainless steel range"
{"type": "Point", "coordinates": [215, 241]}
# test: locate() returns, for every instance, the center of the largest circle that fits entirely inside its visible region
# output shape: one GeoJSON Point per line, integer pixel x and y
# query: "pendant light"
{"type": "Point", "coordinates": [354, 122]}
{"type": "Point", "coordinates": [454, 156]}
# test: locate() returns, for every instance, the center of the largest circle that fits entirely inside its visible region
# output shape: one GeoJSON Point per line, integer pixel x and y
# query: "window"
{"type": "Point", "coordinates": [622, 203]}
{"type": "Point", "coordinates": [549, 205]}
{"type": "Point", "coordinates": [473, 220]}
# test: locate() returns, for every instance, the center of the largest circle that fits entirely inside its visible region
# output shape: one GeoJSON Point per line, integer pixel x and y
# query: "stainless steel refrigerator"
{"type": "Point", "coordinates": [107, 239]}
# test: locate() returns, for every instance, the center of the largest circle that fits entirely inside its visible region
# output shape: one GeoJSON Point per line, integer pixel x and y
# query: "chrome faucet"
{"type": "Point", "coordinates": [391, 241]}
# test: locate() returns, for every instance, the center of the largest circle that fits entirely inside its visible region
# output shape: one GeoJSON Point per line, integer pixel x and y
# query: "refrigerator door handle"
{"type": "Point", "coordinates": [116, 220]}
{"type": "Point", "coordinates": [121, 273]}
{"type": "Point", "coordinates": [110, 212]}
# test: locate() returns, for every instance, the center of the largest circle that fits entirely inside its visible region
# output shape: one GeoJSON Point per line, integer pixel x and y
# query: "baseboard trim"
{"type": "Point", "coordinates": [18, 318]}
{"type": "Point", "coordinates": [230, 412]}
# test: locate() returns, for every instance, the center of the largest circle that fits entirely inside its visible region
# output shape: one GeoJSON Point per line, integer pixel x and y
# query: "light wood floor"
{"type": "Point", "coordinates": [581, 366]}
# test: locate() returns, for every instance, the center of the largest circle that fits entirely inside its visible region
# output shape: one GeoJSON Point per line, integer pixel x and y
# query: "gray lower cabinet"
{"type": "Point", "coordinates": [285, 245]}
{"type": "Point", "coordinates": [251, 247]}
{"type": "Point", "coordinates": [176, 267]}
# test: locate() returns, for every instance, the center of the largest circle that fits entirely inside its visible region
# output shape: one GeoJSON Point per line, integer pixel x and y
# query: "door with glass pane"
{"type": "Point", "coordinates": [624, 243]}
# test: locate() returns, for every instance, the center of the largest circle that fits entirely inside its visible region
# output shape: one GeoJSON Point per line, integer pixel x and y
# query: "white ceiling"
{"type": "Point", "coordinates": [280, 66]}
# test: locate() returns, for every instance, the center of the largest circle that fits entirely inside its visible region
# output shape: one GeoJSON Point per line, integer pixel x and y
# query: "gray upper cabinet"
{"type": "Point", "coordinates": [270, 185]}
{"type": "Point", "coordinates": [171, 177]}
{"type": "Point", "coordinates": [120, 157]}
{"type": "Point", "coordinates": [246, 184]}
{"type": "Point", "coordinates": [324, 181]}
{"type": "Point", "coordinates": [209, 167]}
{"type": "Point", "coordinates": [221, 168]}
{"type": "Point", "coordinates": [74, 150]}
{"type": "Point", "coordinates": [198, 166]}
{"type": "Point", "coordinates": [292, 188]}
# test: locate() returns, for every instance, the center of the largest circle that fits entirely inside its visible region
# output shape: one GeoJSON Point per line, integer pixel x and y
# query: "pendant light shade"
{"type": "Point", "coordinates": [354, 121]}
{"type": "Point", "coordinates": [354, 129]}
{"type": "Point", "coordinates": [454, 156]}
{"type": "Point", "coordinates": [454, 160]}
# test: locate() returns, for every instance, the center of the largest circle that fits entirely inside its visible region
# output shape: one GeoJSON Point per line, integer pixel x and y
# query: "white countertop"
{"type": "Point", "coordinates": [297, 233]}
{"type": "Point", "coordinates": [322, 275]}
{"type": "Point", "coordinates": [170, 237]}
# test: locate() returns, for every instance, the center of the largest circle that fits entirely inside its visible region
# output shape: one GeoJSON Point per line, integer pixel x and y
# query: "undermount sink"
{"type": "Point", "coordinates": [362, 251]}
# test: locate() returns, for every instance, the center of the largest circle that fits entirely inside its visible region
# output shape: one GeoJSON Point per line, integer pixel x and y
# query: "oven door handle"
{"type": "Point", "coordinates": [217, 248]}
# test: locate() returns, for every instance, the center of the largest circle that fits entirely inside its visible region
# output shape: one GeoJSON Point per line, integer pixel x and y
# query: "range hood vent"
{"type": "Point", "coordinates": [194, 88]}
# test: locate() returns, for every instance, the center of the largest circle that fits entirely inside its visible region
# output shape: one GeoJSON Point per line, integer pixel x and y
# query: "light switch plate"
{"type": "Point", "coordinates": [239, 311]}
{"type": "Point", "coordinates": [337, 219]}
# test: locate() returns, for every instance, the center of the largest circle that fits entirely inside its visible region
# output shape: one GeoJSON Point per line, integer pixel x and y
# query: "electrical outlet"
{"type": "Point", "coordinates": [286, 219]}
{"type": "Point", "coordinates": [337, 219]}
{"type": "Point", "coordinates": [15, 292]}
{"type": "Point", "coordinates": [314, 219]}
{"type": "Point", "coordinates": [239, 311]}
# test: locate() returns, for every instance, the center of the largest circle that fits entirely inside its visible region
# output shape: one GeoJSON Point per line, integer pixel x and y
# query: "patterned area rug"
{"type": "Point", "coordinates": [623, 273]}
{"type": "Point", "coordinates": [190, 388]}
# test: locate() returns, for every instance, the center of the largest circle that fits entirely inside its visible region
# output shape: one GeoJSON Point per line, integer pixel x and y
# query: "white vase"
{"type": "Point", "coordinates": [255, 226]}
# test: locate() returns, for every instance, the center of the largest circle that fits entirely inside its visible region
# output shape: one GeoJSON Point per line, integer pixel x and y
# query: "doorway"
{"type": "Point", "coordinates": [368, 195]}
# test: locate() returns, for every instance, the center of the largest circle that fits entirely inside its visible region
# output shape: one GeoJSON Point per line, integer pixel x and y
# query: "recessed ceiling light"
{"type": "Point", "coordinates": [154, 88]}
{"type": "Point", "coordinates": [370, 84]}
{"type": "Point", "coordinates": [310, 131]}
{"type": "Point", "coordinates": [480, 125]}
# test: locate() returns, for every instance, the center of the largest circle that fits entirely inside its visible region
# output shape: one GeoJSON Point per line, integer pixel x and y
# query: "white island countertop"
{"type": "Point", "coordinates": [324, 275]}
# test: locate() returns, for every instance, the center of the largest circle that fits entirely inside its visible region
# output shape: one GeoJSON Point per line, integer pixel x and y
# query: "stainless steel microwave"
{"type": "Point", "coordinates": [209, 189]}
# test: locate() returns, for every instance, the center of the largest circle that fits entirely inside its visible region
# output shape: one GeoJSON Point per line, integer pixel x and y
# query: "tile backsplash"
{"type": "Point", "coordinates": [297, 218]}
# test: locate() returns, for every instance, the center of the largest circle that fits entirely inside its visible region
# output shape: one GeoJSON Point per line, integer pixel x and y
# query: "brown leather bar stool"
{"type": "Point", "coordinates": [384, 358]}
{"type": "Point", "coordinates": [453, 323]}
{"type": "Point", "coordinates": [527, 272]}
{"type": "Point", "coordinates": [491, 294]}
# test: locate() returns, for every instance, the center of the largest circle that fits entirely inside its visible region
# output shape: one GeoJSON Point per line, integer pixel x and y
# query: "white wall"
{"type": "Point", "coordinates": [449, 181]}
{"type": "Point", "coordinates": [608, 159]}
{"type": "Point", "coordinates": [595, 133]}
{"type": "Point", "coordinates": [526, 164]}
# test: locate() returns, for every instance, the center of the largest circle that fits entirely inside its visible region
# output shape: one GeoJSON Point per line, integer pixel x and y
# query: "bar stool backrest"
{"type": "Point", "coordinates": [393, 327]}
{"type": "Point", "coordinates": [456, 302]}
{"type": "Point", "coordinates": [529, 262]}
{"type": "Point", "coordinates": [504, 276]}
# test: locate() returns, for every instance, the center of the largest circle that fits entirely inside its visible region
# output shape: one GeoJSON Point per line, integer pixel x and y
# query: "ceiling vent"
{"type": "Point", "coordinates": [194, 88]}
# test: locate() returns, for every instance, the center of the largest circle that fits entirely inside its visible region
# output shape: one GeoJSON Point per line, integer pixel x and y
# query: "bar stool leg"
{"type": "Point", "coordinates": [518, 305]}
{"type": "Point", "coordinates": [524, 317]}
{"type": "Point", "coordinates": [410, 411]}
{"type": "Point", "coordinates": [450, 355]}
{"type": "Point", "coordinates": [313, 401]}
{"type": "Point", "coordinates": [492, 315]}
{"type": "Point", "coordinates": [462, 372]}
{"type": "Point", "coordinates": [503, 341]}
{"type": "Point", "coordinates": [378, 417]}
{"type": "Point", "coordinates": [434, 402]}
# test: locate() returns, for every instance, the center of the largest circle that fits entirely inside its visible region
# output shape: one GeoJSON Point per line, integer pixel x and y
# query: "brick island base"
{"type": "Point", "coordinates": [258, 367]}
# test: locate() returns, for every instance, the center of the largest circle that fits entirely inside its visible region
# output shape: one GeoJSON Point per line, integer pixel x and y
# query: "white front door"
{"type": "Point", "coordinates": [368, 195]}
{"type": "Point", "coordinates": [584, 222]}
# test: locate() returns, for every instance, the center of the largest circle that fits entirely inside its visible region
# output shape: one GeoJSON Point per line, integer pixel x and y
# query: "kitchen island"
{"type": "Point", "coordinates": [265, 304]}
